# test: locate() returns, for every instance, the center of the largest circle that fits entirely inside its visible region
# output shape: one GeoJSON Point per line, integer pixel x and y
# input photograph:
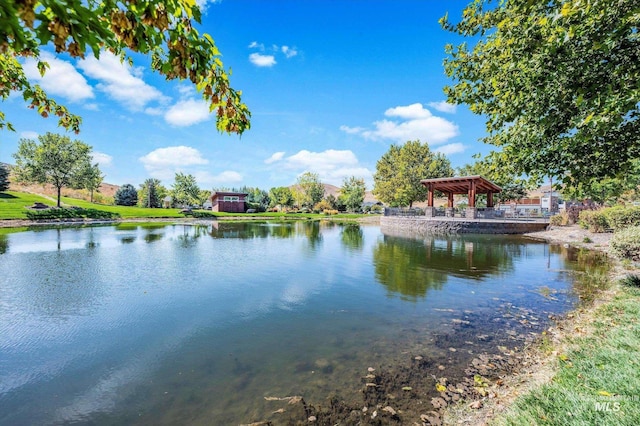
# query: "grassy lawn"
{"type": "Point", "coordinates": [124, 211]}
{"type": "Point", "coordinates": [598, 378]}
{"type": "Point", "coordinates": [12, 204]}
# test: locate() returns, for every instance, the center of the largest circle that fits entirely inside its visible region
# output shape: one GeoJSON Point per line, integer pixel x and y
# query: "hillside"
{"type": "Point", "coordinates": [106, 190]}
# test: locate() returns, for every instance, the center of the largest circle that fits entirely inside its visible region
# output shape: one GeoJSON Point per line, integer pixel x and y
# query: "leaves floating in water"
{"type": "Point", "coordinates": [407, 388]}
{"type": "Point", "coordinates": [440, 388]}
{"type": "Point", "coordinates": [290, 399]}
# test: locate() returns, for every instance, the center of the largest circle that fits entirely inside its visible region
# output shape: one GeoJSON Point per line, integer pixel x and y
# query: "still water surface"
{"type": "Point", "coordinates": [176, 324]}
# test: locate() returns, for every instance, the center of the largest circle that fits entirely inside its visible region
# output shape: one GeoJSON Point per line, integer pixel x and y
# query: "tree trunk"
{"type": "Point", "coordinates": [91, 196]}
{"type": "Point", "coordinates": [59, 190]}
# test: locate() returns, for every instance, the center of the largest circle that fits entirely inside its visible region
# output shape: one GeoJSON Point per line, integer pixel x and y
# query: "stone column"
{"type": "Point", "coordinates": [450, 212]}
{"type": "Point", "coordinates": [470, 213]}
{"type": "Point", "coordinates": [430, 212]}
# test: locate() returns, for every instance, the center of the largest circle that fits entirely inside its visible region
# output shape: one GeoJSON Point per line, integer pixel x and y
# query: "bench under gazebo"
{"type": "Point", "coordinates": [470, 185]}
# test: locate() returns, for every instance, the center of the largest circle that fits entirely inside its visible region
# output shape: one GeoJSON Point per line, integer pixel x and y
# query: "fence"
{"type": "Point", "coordinates": [403, 211]}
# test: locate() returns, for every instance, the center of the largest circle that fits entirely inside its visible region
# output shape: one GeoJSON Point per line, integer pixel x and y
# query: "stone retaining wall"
{"type": "Point", "coordinates": [424, 225]}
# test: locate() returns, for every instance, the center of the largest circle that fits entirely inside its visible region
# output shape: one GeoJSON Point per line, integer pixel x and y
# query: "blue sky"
{"type": "Point", "coordinates": [330, 84]}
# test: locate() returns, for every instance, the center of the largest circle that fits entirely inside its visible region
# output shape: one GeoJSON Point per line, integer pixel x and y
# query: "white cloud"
{"type": "Point", "coordinates": [104, 160]}
{"type": "Point", "coordinates": [60, 79]}
{"type": "Point", "coordinates": [92, 107]}
{"type": "Point", "coordinates": [262, 60]}
{"type": "Point", "coordinates": [352, 130]}
{"type": "Point", "coordinates": [331, 165]}
{"type": "Point", "coordinates": [409, 112]}
{"type": "Point", "coordinates": [415, 123]}
{"type": "Point", "coordinates": [275, 157]}
{"type": "Point", "coordinates": [187, 112]}
{"type": "Point", "coordinates": [120, 81]}
{"type": "Point", "coordinates": [452, 148]}
{"type": "Point", "coordinates": [256, 45]}
{"type": "Point", "coordinates": [289, 52]}
{"type": "Point", "coordinates": [443, 106]}
{"type": "Point", "coordinates": [172, 157]}
{"type": "Point", "coordinates": [29, 135]}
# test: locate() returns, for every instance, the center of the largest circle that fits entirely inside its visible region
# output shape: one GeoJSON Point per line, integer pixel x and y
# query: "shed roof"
{"type": "Point", "coordinates": [223, 193]}
{"type": "Point", "coordinates": [460, 185]}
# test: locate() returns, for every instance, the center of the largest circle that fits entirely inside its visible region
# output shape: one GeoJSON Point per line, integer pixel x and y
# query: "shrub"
{"type": "Point", "coordinates": [321, 206]}
{"type": "Point", "coordinates": [330, 212]}
{"type": "Point", "coordinates": [257, 207]}
{"type": "Point", "coordinates": [620, 217]}
{"type": "Point", "coordinates": [201, 214]}
{"type": "Point", "coordinates": [626, 243]}
{"type": "Point", "coordinates": [74, 213]}
{"type": "Point", "coordinates": [631, 280]}
{"type": "Point", "coordinates": [560, 219]}
{"type": "Point", "coordinates": [594, 220]}
{"type": "Point", "coordinates": [574, 213]}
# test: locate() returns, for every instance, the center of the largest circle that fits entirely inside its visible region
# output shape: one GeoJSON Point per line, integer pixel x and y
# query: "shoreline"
{"type": "Point", "coordinates": [538, 364]}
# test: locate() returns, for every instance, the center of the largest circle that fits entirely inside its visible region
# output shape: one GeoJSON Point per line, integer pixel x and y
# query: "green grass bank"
{"type": "Point", "coordinates": [14, 206]}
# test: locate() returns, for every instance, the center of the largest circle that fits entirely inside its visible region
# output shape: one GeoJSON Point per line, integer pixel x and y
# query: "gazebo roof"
{"type": "Point", "coordinates": [460, 185]}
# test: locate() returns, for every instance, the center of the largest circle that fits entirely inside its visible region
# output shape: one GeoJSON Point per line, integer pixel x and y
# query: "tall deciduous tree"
{"type": "Point", "coordinates": [90, 178]}
{"type": "Point", "coordinates": [54, 159]}
{"type": "Point", "coordinates": [126, 195]}
{"type": "Point", "coordinates": [352, 193]}
{"type": "Point", "coordinates": [163, 29]}
{"type": "Point", "coordinates": [185, 191]}
{"type": "Point", "coordinates": [281, 196]}
{"type": "Point", "coordinates": [311, 189]}
{"type": "Point", "coordinates": [4, 178]}
{"type": "Point", "coordinates": [400, 170]}
{"type": "Point", "coordinates": [557, 82]}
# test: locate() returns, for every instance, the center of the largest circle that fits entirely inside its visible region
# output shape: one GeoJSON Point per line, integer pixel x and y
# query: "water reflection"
{"type": "Point", "coordinates": [201, 325]}
{"type": "Point", "coordinates": [4, 244]}
{"type": "Point", "coordinates": [352, 237]}
{"type": "Point", "coordinates": [153, 235]}
{"type": "Point", "coordinates": [410, 266]}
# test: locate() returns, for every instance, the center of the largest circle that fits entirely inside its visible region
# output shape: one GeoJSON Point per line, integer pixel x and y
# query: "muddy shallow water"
{"type": "Point", "coordinates": [240, 323]}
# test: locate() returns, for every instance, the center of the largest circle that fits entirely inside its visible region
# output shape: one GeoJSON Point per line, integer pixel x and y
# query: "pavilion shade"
{"type": "Point", "coordinates": [460, 185]}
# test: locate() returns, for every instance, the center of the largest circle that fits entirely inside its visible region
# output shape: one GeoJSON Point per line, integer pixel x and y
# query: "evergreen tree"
{"type": "Point", "coordinates": [4, 178]}
{"type": "Point", "coordinates": [126, 195]}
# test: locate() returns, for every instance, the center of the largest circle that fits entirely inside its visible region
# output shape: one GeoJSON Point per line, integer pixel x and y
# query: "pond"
{"type": "Point", "coordinates": [234, 323]}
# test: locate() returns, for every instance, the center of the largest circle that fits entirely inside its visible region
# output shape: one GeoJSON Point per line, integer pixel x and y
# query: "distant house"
{"type": "Point", "coordinates": [231, 202]}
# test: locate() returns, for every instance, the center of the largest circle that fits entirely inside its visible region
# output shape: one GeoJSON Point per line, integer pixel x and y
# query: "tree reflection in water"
{"type": "Point", "coordinates": [410, 267]}
{"type": "Point", "coordinates": [352, 237]}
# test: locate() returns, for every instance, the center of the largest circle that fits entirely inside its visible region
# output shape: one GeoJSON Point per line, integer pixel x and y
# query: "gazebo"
{"type": "Point", "coordinates": [470, 185]}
